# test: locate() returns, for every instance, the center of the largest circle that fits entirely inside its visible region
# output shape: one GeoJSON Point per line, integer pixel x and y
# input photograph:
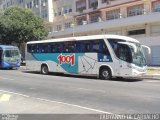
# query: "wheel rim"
{"type": "Point", "coordinates": [105, 74]}
{"type": "Point", "coordinates": [44, 69]}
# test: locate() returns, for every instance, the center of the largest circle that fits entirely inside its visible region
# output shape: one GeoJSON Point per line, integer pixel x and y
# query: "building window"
{"type": "Point", "coordinates": [80, 5]}
{"type": "Point", "coordinates": [29, 5]}
{"type": "Point", "coordinates": [137, 32]}
{"type": "Point", "coordinates": [107, 1]}
{"type": "Point", "coordinates": [59, 27]}
{"type": "Point", "coordinates": [68, 25]}
{"type": "Point", "coordinates": [81, 20]}
{"type": "Point", "coordinates": [93, 4]}
{"type": "Point", "coordinates": [66, 9]}
{"type": "Point", "coordinates": [35, 3]}
{"type": "Point", "coordinates": [136, 10]}
{"type": "Point", "coordinates": [95, 18]}
{"type": "Point", "coordinates": [20, 1]}
{"type": "Point", "coordinates": [114, 14]}
{"type": "Point", "coordinates": [44, 3]}
{"type": "Point", "coordinates": [44, 14]}
{"type": "Point", "coordinates": [156, 6]}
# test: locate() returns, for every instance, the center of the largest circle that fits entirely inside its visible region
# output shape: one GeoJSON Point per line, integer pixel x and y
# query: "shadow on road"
{"type": "Point", "coordinates": [87, 77]}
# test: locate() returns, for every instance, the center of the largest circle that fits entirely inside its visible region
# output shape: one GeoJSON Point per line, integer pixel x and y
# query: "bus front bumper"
{"type": "Point", "coordinates": [10, 65]}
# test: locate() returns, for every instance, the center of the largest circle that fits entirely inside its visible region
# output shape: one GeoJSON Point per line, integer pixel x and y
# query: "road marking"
{"type": "Point", "coordinates": [74, 105]}
{"type": "Point", "coordinates": [91, 90]}
{"type": "Point", "coordinates": [5, 98]}
{"type": "Point", "coordinates": [4, 78]}
{"type": "Point", "coordinates": [14, 93]}
{"type": "Point", "coordinates": [59, 102]}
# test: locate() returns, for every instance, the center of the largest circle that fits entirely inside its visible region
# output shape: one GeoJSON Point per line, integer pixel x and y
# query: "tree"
{"type": "Point", "coordinates": [20, 25]}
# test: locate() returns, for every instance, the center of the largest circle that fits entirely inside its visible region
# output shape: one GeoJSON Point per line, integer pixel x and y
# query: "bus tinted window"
{"type": "Point", "coordinates": [31, 48]}
{"type": "Point", "coordinates": [59, 47]}
{"type": "Point", "coordinates": [78, 47]}
{"type": "Point", "coordinates": [86, 46]}
{"type": "Point", "coordinates": [114, 45]}
{"type": "Point", "coordinates": [69, 47]}
{"type": "Point", "coordinates": [89, 46]}
{"type": "Point", "coordinates": [95, 46]}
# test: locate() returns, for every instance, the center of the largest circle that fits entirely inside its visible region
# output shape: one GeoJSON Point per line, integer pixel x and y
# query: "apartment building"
{"type": "Point", "coordinates": [63, 14]}
{"type": "Point", "coordinates": [42, 8]}
{"type": "Point", "coordinates": [139, 19]}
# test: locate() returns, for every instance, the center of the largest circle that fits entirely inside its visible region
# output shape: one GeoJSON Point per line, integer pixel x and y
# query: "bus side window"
{"type": "Point", "coordinates": [32, 49]}
{"type": "Point", "coordinates": [87, 46]}
{"type": "Point", "coordinates": [29, 48]}
{"type": "Point", "coordinates": [78, 47]}
{"type": "Point", "coordinates": [95, 46]}
{"type": "Point", "coordinates": [71, 47]}
{"type": "Point", "coordinates": [59, 47]}
{"type": "Point", "coordinates": [45, 48]}
{"type": "Point", "coordinates": [49, 48]}
{"type": "Point", "coordinates": [38, 48]}
{"type": "Point", "coordinates": [53, 48]}
{"type": "Point", "coordinates": [103, 48]}
{"type": "Point", "coordinates": [66, 47]}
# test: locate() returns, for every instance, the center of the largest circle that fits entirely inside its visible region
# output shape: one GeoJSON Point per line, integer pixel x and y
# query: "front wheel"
{"type": "Point", "coordinates": [44, 70]}
{"type": "Point", "coordinates": [105, 74]}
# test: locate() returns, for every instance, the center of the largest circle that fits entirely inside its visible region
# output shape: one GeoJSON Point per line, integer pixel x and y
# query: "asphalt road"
{"type": "Point", "coordinates": [112, 96]}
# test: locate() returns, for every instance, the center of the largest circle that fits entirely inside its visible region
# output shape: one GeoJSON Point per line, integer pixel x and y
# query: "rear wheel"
{"type": "Point", "coordinates": [105, 74]}
{"type": "Point", "coordinates": [44, 69]}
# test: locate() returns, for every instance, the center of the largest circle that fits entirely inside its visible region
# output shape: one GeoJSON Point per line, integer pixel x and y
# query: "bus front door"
{"type": "Point", "coordinates": [125, 58]}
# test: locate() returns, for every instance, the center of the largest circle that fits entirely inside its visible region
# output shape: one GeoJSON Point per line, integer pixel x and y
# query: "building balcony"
{"type": "Point", "coordinates": [108, 24]}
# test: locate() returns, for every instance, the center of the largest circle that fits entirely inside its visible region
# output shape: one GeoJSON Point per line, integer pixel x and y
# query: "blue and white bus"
{"type": "Point", "coordinates": [9, 57]}
{"type": "Point", "coordinates": [104, 56]}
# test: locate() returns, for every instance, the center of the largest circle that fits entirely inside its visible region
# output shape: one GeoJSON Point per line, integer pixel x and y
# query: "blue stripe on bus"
{"type": "Point", "coordinates": [68, 67]}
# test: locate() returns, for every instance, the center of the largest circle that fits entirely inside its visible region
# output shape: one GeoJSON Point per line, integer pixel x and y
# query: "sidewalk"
{"type": "Point", "coordinates": [153, 72]}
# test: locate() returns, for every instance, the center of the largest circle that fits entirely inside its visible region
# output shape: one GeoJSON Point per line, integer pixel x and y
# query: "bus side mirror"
{"type": "Point", "coordinates": [148, 48]}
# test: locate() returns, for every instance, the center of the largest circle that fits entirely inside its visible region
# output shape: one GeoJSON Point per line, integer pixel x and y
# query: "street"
{"type": "Point", "coordinates": [84, 94]}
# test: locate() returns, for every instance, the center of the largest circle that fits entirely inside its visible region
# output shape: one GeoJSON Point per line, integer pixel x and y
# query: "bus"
{"type": "Point", "coordinates": [104, 56]}
{"type": "Point", "coordinates": [9, 57]}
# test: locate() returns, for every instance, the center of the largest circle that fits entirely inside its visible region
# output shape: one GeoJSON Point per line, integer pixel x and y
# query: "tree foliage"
{"type": "Point", "coordinates": [21, 25]}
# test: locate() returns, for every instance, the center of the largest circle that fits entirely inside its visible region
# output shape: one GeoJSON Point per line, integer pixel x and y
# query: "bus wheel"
{"type": "Point", "coordinates": [44, 70]}
{"type": "Point", "coordinates": [105, 74]}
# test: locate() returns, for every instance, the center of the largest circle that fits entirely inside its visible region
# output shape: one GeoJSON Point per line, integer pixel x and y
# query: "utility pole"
{"type": "Point", "coordinates": [40, 9]}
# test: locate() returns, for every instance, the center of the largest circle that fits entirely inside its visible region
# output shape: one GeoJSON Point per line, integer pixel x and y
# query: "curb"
{"type": "Point", "coordinates": [152, 76]}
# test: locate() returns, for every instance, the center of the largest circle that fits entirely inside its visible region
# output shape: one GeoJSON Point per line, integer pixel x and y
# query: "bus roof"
{"type": "Point", "coordinates": [92, 37]}
{"type": "Point", "coordinates": [7, 46]}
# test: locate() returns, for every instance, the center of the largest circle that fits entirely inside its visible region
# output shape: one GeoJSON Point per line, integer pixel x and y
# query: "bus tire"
{"type": "Point", "coordinates": [44, 69]}
{"type": "Point", "coordinates": [105, 74]}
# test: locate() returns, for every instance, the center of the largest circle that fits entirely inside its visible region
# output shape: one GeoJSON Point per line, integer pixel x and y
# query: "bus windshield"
{"type": "Point", "coordinates": [128, 51]}
{"type": "Point", "coordinates": [11, 53]}
{"type": "Point", "coordinates": [138, 57]}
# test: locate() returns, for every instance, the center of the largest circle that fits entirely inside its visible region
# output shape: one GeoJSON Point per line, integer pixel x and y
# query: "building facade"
{"type": "Point", "coordinates": [139, 19]}
{"type": "Point", "coordinates": [42, 8]}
